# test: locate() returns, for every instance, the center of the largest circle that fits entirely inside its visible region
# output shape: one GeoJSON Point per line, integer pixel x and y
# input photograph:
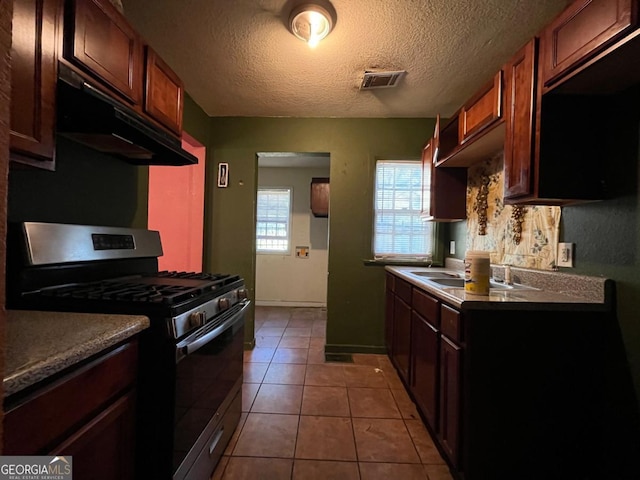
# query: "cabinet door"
{"type": "Point", "coordinates": [583, 29]}
{"type": "Point", "coordinates": [482, 110]}
{"type": "Point", "coordinates": [424, 367]}
{"type": "Point", "coordinates": [450, 399]}
{"type": "Point", "coordinates": [33, 82]}
{"type": "Point", "coordinates": [445, 188]}
{"type": "Point", "coordinates": [520, 76]}
{"type": "Point", "coordinates": [427, 189]}
{"type": "Point", "coordinates": [104, 43]}
{"type": "Point", "coordinates": [164, 93]}
{"type": "Point", "coordinates": [103, 449]}
{"type": "Point", "coordinates": [388, 321]}
{"type": "Point", "coordinates": [401, 337]}
{"type": "Point", "coordinates": [320, 197]}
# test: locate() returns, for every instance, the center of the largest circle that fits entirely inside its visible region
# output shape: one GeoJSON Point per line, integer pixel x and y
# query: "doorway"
{"type": "Point", "coordinates": [295, 276]}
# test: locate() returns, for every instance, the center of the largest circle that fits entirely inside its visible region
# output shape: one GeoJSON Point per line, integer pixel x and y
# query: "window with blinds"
{"type": "Point", "coordinates": [398, 229]}
{"type": "Point", "coordinates": [273, 222]}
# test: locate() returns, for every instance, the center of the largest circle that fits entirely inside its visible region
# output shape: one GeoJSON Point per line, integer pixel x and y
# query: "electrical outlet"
{"type": "Point", "coordinates": [452, 247]}
{"type": "Point", "coordinates": [565, 255]}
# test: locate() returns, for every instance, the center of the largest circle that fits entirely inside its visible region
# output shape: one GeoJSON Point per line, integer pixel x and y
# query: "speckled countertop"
{"type": "Point", "coordinates": [549, 290]}
{"type": "Point", "coordinates": [39, 344]}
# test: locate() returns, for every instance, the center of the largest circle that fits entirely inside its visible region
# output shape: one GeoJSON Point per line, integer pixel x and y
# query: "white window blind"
{"type": "Point", "coordinates": [398, 229]}
{"type": "Point", "coordinates": [273, 223]}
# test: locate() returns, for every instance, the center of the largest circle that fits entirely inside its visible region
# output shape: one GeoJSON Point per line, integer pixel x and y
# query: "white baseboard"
{"type": "Point", "coordinates": [283, 303]}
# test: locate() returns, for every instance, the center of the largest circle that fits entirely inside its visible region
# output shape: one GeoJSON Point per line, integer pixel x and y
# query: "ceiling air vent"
{"type": "Point", "coordinates": [379, 79]}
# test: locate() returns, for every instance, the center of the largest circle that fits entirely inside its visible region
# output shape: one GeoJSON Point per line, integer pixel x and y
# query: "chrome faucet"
{"type": "Point", "coordinates": [508, 280]}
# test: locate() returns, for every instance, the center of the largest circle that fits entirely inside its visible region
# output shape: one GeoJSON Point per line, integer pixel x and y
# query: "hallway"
{"type": "Point", "coordinates": [308, 419]}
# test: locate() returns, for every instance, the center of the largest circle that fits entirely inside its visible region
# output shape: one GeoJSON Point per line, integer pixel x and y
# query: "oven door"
{"type": "Point", "coordinates": [207, 399]}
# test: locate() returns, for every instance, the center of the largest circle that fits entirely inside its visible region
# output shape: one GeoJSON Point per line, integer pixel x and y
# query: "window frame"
{"type": "Point", "coordinates": [410, 257]}
{"type": "Point", "coordinates": [289, 221]}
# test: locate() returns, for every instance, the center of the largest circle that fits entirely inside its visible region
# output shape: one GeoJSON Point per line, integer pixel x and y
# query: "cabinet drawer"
{"type": "Point", "coordinates": [580, 31]}
{"type": "Point", "coordinates": [451, 323]}
{"type": "Point", "coordinates": [403, 290]}
{"type": "Point", "coordinates": [42, 420]}
{"type": "Point", "coordinates": [482, 110]}
{"type": "Point", "coordinates": [426, 306]}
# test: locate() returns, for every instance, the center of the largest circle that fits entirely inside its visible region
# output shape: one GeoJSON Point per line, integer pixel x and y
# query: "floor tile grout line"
{"type": "Point", "coordinates": [388, 388]}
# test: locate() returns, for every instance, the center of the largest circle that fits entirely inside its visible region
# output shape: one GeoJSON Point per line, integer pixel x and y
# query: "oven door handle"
{"type": "Point", "coordinates": [204, 335]}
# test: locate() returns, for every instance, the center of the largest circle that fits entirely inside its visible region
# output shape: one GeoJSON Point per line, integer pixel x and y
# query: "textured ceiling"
{"type": "Point", "coordinates": [237, 58]}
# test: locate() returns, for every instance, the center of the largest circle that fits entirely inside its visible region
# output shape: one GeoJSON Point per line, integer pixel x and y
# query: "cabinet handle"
{"type": "Point", "coordinates": [215, 441]}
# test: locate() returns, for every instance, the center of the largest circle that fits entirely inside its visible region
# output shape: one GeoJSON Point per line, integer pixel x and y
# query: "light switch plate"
{"type": "Point", "coordinates": [452, 247]}
{"type": "Point", "coordinates": [565, 255]}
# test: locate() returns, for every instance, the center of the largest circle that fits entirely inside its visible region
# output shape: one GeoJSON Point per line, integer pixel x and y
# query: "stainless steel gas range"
{"type": "Point", "coordinates": [189, 393]}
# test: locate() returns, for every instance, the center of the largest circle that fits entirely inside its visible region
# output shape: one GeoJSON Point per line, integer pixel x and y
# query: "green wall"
{"type": "Point", "coordinates": [195, 121]}
{"type": "Point", "coordinates": [355, 303]}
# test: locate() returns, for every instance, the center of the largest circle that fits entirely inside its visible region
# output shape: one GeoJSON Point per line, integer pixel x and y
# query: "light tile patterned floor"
{"type": "Point", "coordinates": [308, 419]}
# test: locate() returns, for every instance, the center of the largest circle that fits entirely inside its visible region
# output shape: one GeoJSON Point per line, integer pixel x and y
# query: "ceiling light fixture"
{"type": "Point", "coordinates": [311, 23]}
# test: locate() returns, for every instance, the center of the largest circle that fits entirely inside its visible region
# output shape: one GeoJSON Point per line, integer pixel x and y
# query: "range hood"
{"type": "Point", "coordinates": [92, 118]}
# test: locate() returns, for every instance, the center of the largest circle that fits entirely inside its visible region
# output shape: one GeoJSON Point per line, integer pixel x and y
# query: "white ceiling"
{"type": "Point", "coordinates": [237, 58]}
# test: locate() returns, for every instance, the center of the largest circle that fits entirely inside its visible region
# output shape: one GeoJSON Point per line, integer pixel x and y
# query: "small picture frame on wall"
{"type": "Point", "coordinates": [223, 175]}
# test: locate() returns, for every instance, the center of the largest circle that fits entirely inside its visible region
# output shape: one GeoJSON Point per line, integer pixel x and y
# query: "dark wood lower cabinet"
{"type": "Point", "coordinates": [424, 366]}
{"type": "Point", "coordinates": [388, 324]}
{"type": "Point", "coordinates": [450, 399]}
{"type": "Point", "coordinates": [104, 448]}
{"type": "Point", "coordinates": [507, 392]}
{"type": "Point", "coordinates": [88, 412]}
{"type": "Point", "coordinates": [401, 338]}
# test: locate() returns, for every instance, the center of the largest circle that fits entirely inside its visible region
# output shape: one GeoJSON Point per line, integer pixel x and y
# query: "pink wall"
{"type": "Point", "coordinates": [176, 210]}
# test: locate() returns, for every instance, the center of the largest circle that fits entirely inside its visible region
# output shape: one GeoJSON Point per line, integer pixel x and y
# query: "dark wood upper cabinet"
{"type": "Point", "coordinates": [445, 188]}
{"type": "Point", "coordinates": [33, 82]}
{"type": "Point", "coordinates": [476, 131]}
{"type": "Point", "coordinates": [99, 40]}
{"type": "Point", "coordinates": [482, 110]}
{"type": "Point", "coordinates": [164, 92]}
{"type": "Point", "coordinates": [520, 76]}
{"type": "Point", "coordinates": [319, 197]}
{"type": "Point", "coordinates": [580, 31]}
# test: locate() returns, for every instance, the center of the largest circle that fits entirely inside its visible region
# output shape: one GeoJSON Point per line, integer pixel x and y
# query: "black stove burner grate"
{"type": "Point", "coordinates": [120, 291]}
{"type": "Point", "coordinates": [169, 288]}
{"type": "Point", "coordinates": [197, 276]}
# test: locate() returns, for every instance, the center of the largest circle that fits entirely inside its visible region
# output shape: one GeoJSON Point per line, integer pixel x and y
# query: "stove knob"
{"type": "Point", "coordinates": [242, 293]}
{"type": "Point", "coordinates": [223, 303]}
{"type": "Point", "coordinates": [196, 319]}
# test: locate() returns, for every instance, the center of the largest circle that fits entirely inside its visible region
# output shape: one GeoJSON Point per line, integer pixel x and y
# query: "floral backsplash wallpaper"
{"type": "Point", "coordinates": [525, 236]}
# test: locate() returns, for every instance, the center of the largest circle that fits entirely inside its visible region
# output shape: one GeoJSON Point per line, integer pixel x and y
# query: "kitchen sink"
{"type": "Point", "coordinates": [459, 283]}
{"type": "Point", "coordinates": [444, 275]}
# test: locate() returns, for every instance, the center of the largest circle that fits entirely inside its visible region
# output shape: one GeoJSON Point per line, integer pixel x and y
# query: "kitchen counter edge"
{"type": "Point", "coordinates": [519, 299]}
{"type": "Point", "coordinates": [41, 344]}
